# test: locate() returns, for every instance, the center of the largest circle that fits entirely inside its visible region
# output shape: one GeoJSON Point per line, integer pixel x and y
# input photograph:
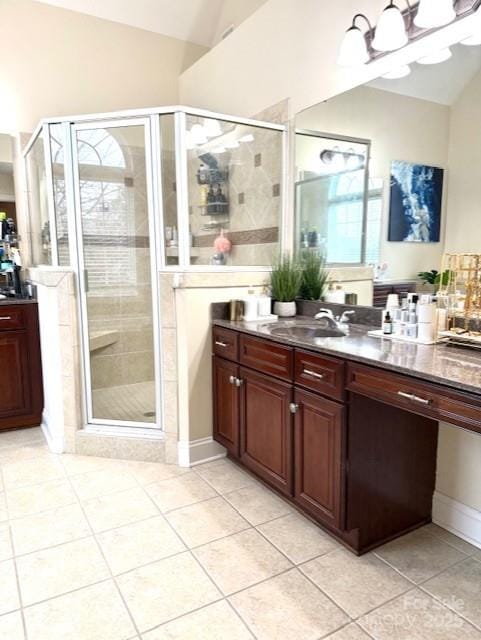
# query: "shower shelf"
{"type": "Point", "coordinates": [173, 252]}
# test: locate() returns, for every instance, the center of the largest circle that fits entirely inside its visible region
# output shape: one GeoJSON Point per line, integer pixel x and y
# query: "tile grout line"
{"type": "Point", "coordinates": [438, 537]}
{"type": "Point", "coordinates": [196, 560]}
{"type": "Point", "coordinates": [14, 561]}
{"type": "Point", "coordinates": [112, 577]}
{"type": "Point", "coordinates": [254, 527]}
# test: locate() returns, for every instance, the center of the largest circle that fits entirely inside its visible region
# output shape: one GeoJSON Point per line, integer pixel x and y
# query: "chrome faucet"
{"type": "Point", "coordinates": [338, 322]}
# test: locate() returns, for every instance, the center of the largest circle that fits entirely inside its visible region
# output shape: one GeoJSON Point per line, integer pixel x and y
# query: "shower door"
{"type": "Point", "coordinates": [117, 269]}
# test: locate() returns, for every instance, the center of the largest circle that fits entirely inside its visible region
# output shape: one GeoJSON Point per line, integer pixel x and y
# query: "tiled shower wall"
{"type": "Point", "coordinates": [254, 193]}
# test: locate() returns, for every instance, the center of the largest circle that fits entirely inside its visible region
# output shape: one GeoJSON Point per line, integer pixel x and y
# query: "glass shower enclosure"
{"type": "Point", "coordinates": [121, 197]}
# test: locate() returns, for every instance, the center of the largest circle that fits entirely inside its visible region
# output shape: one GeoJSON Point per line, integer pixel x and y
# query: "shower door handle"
{"type": "Point", "coordinates": [86, 280]}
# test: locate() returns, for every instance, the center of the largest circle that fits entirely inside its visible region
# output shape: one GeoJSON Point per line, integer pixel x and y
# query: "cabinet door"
{"type": "Point", "coordinates": [266, 428]}
{"type": "Point", "coordinates": [14, 374]}
{"type": "Point", "coordinates": [319, 457]}
{"type": "Point", "coordinates": [226, 405]}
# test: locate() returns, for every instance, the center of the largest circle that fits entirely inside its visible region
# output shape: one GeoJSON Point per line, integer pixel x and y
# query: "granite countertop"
{"type": "Point", "coordinates": [455, 367]}
{"type": "Point", "coordinates": [12, 301]}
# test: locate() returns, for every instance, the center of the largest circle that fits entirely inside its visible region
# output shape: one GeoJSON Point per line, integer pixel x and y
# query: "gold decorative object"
{"type": "Point", "coordinates": [460, 294]}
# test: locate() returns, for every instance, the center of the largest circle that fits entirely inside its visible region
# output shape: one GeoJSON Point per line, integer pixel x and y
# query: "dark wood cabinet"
{"type": "Point", "coordinates": [352, 446]}
{"type": "Point", "coordinates": [226, 404]}
{"type": "Point", "coordinates": [266, 428]}
{"type": "Point", "coordinates": [319, 457]}
{"type": "Point", "coordinates": [21, 390]}
{"type": "Point", "coordinates": [14, 394]}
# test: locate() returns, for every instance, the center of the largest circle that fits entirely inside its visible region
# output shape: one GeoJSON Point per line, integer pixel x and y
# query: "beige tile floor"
{"type": "Point", "coordinates": [98, 549]}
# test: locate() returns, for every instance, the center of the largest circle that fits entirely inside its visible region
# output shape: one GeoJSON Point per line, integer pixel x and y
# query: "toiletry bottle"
{"type": "Point", "coordinates": [304, 239]}
{"type": "Point", "coordinates": [387, 324]}
{"type": "Point", "coordinates": [211, 206]}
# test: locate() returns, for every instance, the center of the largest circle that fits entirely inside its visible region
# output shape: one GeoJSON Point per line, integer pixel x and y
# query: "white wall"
{"type": "Point", "coordinates": [234, 13]}
{"type": "Point", "coordinates": [59, 62]}
{"type": "Point", "coordinates": [419, 132]}
{"type": "Point", "coordinates": [463, 225]}
{"type": "Point", "coordinates": [459, 460]}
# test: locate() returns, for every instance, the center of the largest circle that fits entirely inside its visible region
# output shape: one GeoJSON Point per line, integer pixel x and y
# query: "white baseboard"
{"type": "Point", "coordinates": [56, 445]}
{"type": "Point", "coordinates": [199, 451]}
{"type": "Point", "coordinates": [457, 518]}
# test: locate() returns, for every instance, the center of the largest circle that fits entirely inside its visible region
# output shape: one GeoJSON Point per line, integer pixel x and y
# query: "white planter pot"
{"type": "Point", "coordinates": [285, 309]}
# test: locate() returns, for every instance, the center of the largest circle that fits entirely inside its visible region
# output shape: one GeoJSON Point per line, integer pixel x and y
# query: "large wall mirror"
{"type": "Point", "coordinates": [389, 173]}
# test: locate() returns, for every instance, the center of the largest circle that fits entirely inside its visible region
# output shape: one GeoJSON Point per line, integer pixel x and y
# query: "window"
{"type": "Point", "coordinates": [107, 193]}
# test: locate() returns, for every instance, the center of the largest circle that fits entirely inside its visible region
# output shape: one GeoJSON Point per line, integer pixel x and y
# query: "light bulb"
{"type": "Point", "coordinates": [435, 58]}
{"type": "Point", "coordinates": [218, 150]}
{"type": "Point", "coordinates": [231, 145]}
{"type": "Point", "coordinates": [400, 72]}
{"type": "Point", "coordinates": [212, 128]}
{"type": "Point", "coordinates": [472, 41]}
{"type": "Point", "coordinates": [198, 134]}
{"type": "Point", "coordinates": [247, 138]}
{"type": "Point", "coordinates": [390, 31]}
{"type": "Point", "coordinates": [353, 51]}
{"type": "Point", "coordinates": [434, 13]}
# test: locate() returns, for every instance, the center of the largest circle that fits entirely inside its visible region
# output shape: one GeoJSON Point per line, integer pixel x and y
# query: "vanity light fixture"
{"type": "Point", "coordinates": [435, 58]}
{"type": "Point", "coordinates": [397, 29]}
{"type": "Point", "coordinates": [212, 128]}
{"type": "Point", "coordinates": [189, 143]}
{"type": "Point", "coordinates": [247, 138]}
{"type": "Point", "coordinates": [434, 13]}
{"type": "Point", "coordinates": [198, 135]}
{"type": "Point", "coordinates": [231, 145]}
{"type": "Point", "coordinates": [342, 160]}
{"type": "Point", "coordinates": [354, 50]}
{"type": "Point", "coordinates": [397, 74]}
{"type": "Point", "coordinates": [219, 150]}
{"type": "Point", "coordinates": [391, 33]}
{"type": "Point", "coordinates": [472, 41]}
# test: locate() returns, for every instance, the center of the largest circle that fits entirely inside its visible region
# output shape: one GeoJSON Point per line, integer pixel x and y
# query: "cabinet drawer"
{"type": "Point", "coordinates": [267, 357]}
{"type": "Point", "coordinates": [12, 318]}
{"type": "Point", "coordinates": [225, 343]}
{"type": "Point", "coordinates": [425, 399]}
{"type": "Point", "coordinates": [320, 373]}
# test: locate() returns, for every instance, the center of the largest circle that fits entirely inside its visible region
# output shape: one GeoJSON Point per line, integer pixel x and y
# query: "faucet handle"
{"type": "Point", "coordinates": [346, 315]}
{"type": "Point", "coordinates": [328, 312]}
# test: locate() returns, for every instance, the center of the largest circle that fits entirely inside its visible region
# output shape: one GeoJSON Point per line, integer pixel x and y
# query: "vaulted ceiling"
{"type": "Point", "coordinates": [192, 20]}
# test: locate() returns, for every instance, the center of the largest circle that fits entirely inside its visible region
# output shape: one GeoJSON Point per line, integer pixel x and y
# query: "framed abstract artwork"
{"type": "Point", "coordinates": [416, 202]}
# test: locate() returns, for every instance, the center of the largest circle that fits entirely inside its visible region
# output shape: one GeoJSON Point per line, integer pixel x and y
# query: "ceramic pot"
{"type": "Point", "coordinates": [285, 309]}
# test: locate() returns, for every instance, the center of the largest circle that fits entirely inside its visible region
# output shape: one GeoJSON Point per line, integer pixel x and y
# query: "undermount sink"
{"type": "Point", "coordinates": [304, 331]}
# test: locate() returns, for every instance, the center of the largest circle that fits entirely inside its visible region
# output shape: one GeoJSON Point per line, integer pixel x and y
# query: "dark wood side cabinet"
{"type": "Point", "coordinates": [381, 290]}
{"type": "Point", "coordinates": [21, 388]}
{"type": "Point", "coordinates": [335, 438]}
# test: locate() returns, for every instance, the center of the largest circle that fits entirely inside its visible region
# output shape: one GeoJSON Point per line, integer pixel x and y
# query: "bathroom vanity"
{"type": "Point", "coordinates": [21, 389]}
{"type": "Point", "coordinates": [345, 428]}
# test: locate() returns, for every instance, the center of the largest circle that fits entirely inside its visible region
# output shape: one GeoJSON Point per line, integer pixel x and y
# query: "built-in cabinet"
{"type": "Point", "coordinates": [362, 467]}
{"type": "Point", "coordinates": [21, 390]}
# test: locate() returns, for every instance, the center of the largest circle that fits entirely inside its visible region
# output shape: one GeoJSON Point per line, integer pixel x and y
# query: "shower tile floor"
{"type": "Point", "coordinates": [126, 402]}
{"type": "Point", "coordinates": [100, 549]}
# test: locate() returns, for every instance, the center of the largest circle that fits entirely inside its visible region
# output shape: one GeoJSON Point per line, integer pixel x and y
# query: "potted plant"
{"type": "Point", "coordinates": [433, 278]}
{"type": "Point", "coordinates": [286, 278]}
{"type": "Point", "coordinates": [314, 275]}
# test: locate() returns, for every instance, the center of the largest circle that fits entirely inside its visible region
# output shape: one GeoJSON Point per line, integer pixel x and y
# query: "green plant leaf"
{"type": "Point", "coordinates": [314, 275]}
{"type": "Point", "coordinates": [286, 278]}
